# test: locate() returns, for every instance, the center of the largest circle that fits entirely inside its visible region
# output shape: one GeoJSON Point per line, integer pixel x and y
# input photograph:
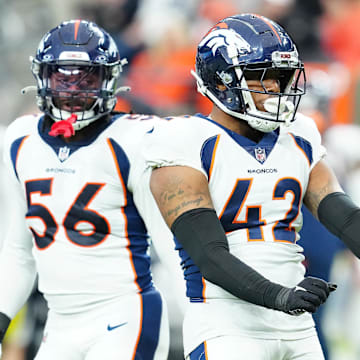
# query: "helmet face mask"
{"type": "Point", "coordinates": [77, 66]}
{"type": "Point", "coordinates": [249, 49]}
{"type": "Point", "coordinates": [74, 89]}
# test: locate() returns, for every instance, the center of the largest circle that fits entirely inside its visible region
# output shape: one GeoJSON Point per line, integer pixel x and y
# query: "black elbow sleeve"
{"type": "Point", "coordinates": [203, 238]}
{"type": "Point", "coordinates": [338, 213]}
{"type": "Point", "coordinates": [201, 234]}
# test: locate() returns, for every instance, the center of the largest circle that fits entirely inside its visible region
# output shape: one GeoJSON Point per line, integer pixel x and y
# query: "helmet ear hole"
{"type": "Point", "coordinates": [77, 74]}
{"type": "Point", "coordinates": [219, 84]}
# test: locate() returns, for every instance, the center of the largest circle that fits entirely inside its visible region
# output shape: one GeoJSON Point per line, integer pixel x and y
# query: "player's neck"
{"type": "Point", "coordinates": [236, 125]}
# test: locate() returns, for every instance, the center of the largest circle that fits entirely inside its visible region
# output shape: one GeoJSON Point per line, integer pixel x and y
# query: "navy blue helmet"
{"type": "Point", "coordinates": [77, 65]}
{"type": "Point", "coordinates": [250, 47]}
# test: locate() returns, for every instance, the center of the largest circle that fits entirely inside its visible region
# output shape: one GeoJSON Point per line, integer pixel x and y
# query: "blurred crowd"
{"type": "Point", "coordinates": [158, 38]}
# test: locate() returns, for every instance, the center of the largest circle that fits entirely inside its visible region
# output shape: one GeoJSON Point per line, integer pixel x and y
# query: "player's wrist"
{"type": "Point", "coordinates": [281, 300]}
{"type": "Point", "coordinates": [273, 296]}
{"type": "Point", "coordinates": [4, 324]}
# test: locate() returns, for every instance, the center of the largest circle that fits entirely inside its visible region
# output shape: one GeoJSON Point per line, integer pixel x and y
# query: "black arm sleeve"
{"type": "Point", "coordinates": [341, 216]}
{"type": "Point", "coordinates": [4, 324]}
{"type": "Point", "coordinates": [203, 238]}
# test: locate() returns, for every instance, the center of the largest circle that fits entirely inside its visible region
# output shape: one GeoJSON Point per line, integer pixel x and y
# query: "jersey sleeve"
{"type": "Point", "coordinates": [161, 239]}
{"type": "Point", "coordinates": [17, 265]}
{"type": "Point", "coordinates": [176, 142]}
{"type": "Point", "coordinates": [306, 128]}
{"type": "Point", "coordinates": [160, 236]}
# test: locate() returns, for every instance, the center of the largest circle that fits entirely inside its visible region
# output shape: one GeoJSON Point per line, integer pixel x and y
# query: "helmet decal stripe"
{"type": "Point", "coordinates": [270, 26]}
{"type": "Point", "coordinates": [76, 29]}
{"type": "Point", "coordinates": [220, 25]}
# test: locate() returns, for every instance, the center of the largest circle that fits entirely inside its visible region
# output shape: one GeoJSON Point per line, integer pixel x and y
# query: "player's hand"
{"type": "Point", "coordinates": [308, 295]}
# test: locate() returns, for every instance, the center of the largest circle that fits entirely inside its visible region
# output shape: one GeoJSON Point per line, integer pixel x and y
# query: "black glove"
{"type": "Point", "coordinates": [308, 295]}
{"type": "Point", "coordinates": [4, 324]}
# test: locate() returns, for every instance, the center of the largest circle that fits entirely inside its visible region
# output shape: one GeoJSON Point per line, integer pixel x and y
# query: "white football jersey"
{"type": "Point", "coordinates": [5, 195]}
{"type": "Point", "coordinates": [257, 190]}
{"type": "Point", "coordinates": [88, 240]}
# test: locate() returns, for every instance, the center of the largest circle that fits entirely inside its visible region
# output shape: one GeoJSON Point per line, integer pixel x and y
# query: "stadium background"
{"type": "Point", "coordinates": [159, 39]}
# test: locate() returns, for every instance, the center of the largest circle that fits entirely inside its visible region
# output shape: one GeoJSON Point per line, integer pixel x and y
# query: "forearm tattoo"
{"type": "Point", "coordinates": [314, 197]}
{"type": "Point", "coordinates": [178, 197]}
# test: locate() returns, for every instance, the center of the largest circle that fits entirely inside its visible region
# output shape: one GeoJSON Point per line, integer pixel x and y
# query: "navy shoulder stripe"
{"type": "Point", "coordinates": [14, 151]}
{"type": "Point", "coordinates": [305, 146]}
{"type": "Point", "coordinates": [122, 159]}
{"type": "Point", "coordinates": [207, 153]}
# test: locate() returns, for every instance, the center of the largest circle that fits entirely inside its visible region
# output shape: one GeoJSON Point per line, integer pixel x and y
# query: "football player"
{"type": "Point", "coordinates": [77, 222]}
{"type": "Point", "coordinates": [231, 184]}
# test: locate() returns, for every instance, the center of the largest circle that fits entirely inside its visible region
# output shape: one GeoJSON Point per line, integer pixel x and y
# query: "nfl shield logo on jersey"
{"type": "Point", "coordinates": [260, 154]}
{"type": "Point", "coordinates": [64, 153]}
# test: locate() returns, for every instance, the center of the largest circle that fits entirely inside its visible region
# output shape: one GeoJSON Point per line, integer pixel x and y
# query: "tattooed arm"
{"type": "Point", "coordinates": [322, 182]}
{"type": "Point", "coordinates": [334, 209]}
{"type": "Point", "coordinates": [178, 189]}
{"type": "Point", "coordinates": [182, 194]}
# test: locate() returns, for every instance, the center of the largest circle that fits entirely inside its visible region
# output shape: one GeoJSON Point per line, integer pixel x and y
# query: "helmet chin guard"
{"type": "Point", "coordinates": [87, 117]}
{"type": "Point", "coordinates": [277, 108]}
{"type": "Point", "coordinates": [250, 47]}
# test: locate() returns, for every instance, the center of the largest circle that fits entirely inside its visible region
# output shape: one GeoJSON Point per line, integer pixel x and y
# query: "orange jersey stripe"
{"type": "Point", "coordinates": [213, 156]}
{"type": "Point", "coordinates": [17, 155]}
{"type": "Point", "coordinates": [140, 328]}
{"type": "Point", "coordinates": [123, 212]}
{"type": "Point", "coordinates": [204, 288]}
{"type": "Point", "coordinates": [301, 149]}
{"type": "Point", "coordinates": [206, 350]}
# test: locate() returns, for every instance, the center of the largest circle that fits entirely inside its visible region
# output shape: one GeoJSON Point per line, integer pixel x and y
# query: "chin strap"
{"type": "Point", "coordinates": [64, 127]}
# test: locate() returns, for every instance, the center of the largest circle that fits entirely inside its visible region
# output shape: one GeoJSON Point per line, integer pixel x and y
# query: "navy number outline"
{"type": "Point", "coordinates": [253, 220]}
{"type": "Point", "coordinates": [78, 212]}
